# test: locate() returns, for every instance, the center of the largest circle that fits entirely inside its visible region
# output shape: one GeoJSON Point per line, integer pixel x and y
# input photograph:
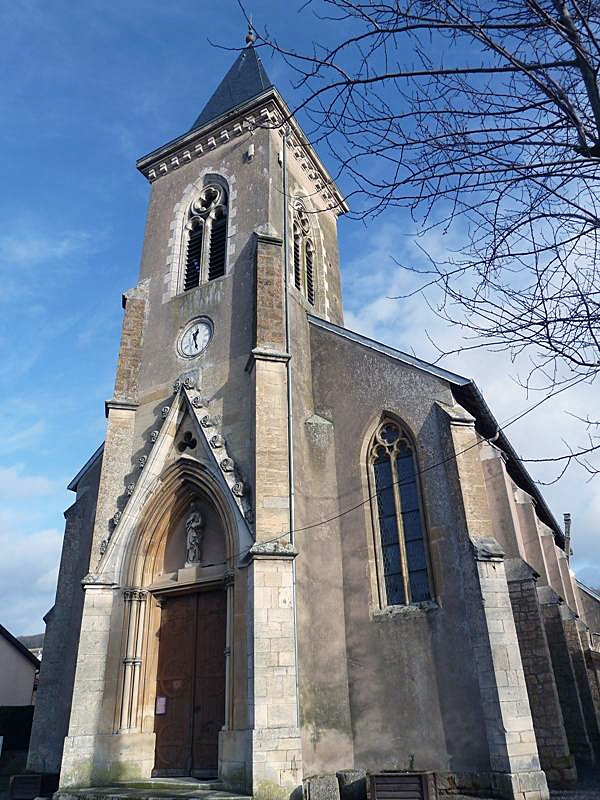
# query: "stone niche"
{"type": "Point", "coordinates": [195, 547]}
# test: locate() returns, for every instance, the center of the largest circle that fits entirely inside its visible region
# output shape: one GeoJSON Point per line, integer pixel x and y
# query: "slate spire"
{"type": "Point", "coordinates": [245, 80]}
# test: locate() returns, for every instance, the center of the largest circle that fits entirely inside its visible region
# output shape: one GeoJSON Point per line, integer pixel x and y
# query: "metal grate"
{"type": "Point", "coordinates": [218, 242]}
{"type": "Point", "coordinates": [401, 786]}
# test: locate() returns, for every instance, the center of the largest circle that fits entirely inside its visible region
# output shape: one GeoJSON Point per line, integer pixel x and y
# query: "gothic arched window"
{"type": "Point", "coordinates": [402, 570]}
{"type": "Point", "coordinates": [304, 253]}
{"type": "Point", "coordinates": [206, 234]}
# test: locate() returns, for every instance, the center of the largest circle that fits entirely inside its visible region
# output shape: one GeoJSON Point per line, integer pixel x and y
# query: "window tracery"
{"type": "Point", "coordinates": [304, 250]}
{"type": "Point", "coordinates": [206, 231]}
{"type": "Point", "coordinates": [401, 556]}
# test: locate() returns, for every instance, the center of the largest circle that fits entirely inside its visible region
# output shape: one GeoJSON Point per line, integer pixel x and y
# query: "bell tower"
{"type": "Point", "coordinates": [240, 249]}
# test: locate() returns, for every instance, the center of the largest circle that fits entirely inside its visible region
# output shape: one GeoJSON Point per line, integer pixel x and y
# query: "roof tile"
{"type": "Point", "coordinates": [245, 80]}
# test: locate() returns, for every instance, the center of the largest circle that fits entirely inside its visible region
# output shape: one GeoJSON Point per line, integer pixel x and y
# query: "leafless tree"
{"type": "Point", "coordinates": [482, 114]}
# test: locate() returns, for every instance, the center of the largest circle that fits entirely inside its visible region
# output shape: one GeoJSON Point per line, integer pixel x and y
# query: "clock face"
{"type": "Point", "coordinates": [196, 337]}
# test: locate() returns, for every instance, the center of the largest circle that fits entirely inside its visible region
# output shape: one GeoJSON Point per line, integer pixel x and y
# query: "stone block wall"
{"type": "Point", "coordinates": [575, 632]}
{"type": "Point", "coordinates": [276, 747]}
{"type": "Point", "coordinates": [130, 352]}
{"type": "Point", "coordinates": [54, 695]}
{"type": "Point", "coordinates": [553, 747]}
{"type": "Point", "coordinates": [513, 752]}
{"type": "Point", "coordinates": [566, 681]}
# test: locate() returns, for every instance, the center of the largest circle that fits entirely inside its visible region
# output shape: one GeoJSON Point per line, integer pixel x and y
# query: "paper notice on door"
{"type": "Point", "coordinates": [161, 705]}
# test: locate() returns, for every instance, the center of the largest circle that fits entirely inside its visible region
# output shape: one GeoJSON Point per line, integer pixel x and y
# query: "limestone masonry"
{"type": "Point", "coordinates": [299, 552]}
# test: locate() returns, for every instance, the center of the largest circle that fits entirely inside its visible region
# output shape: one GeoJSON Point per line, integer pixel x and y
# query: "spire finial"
{"type": "Point", "coordinates": [250, 36]}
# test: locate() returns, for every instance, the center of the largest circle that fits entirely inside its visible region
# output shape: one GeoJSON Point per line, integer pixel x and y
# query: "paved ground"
{"type": "Point", "coordinates": [156, 789]}
{"type": "Point", "coordinates": [161, 789]}
{"type": "Point", "coordinates": [588, 788]}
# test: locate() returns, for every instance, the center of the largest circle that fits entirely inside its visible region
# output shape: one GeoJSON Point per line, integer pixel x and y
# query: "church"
{"type": "Point", "coordinates": [299, 551]}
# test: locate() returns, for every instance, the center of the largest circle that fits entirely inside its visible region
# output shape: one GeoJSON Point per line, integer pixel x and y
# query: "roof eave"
{"type": "Point", "coordinates": [467, 393]}
{"type": "Point", "coordinates": [19, 646]}
{"type": "Point", "coordinates": [592, 592]}
{"type": "Point", "coordinates": [391, 352]}
{"type": "Point", "coordinates": [165, 150]}
{"type": "Point", "coordinates": [72, 487]}
{"type": "Point", "coordinates": [147, 162]}
{"type": "Point", "coordinates": [470, 397]}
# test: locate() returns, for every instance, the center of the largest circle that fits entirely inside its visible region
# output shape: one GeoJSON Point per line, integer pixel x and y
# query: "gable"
{"type": "Point", "coordinates": [186, 426]}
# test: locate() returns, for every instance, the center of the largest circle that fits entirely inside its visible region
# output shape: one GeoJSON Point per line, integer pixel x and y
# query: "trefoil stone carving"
{"type": "Point", "coordinates": [187, 441]}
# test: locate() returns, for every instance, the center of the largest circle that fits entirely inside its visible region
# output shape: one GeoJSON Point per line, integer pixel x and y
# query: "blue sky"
{"type": "Point", "coordinates": [88, 88]}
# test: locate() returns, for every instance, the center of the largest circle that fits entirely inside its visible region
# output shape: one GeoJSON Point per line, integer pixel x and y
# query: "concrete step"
{"type": "Point", "coordinates": [154, 789]}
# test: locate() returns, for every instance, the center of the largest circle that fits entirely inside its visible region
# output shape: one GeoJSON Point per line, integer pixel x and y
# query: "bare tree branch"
{"type": "Point", "coordinates": [484, 116]}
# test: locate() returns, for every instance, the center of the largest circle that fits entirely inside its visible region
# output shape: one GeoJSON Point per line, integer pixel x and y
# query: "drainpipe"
{"type": "Point", "coordinates": [290, 420]}
{"type": "Point", "coordinates": [567, 519]}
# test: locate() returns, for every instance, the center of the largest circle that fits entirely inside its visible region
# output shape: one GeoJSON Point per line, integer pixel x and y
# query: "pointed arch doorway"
{"type": "Point", "coordinates": [191, 683]}
{"type": "Point", "coordinates": [178, 647]}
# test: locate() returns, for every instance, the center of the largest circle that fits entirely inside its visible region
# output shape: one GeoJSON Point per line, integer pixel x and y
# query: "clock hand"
{"type": "Point", "coordinates": [195, 337]}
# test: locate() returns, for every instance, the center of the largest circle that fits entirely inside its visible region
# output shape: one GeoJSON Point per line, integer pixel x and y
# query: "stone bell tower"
{"type": "Point", "coordinates": [189, 539]}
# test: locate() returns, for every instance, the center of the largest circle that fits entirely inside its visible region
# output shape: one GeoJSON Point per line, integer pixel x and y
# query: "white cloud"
{"type": "Point", "coordinates": [18, 434]}
{"type": "Point", "coordinates": [15, 484]}
{"type": "Point", "coordinates": [31, 249]}
{"type": "Point", "coordinates": [28, 571]}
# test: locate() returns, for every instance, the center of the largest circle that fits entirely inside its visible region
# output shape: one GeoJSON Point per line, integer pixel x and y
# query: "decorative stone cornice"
{"type": "Point", "coordinates": [229, 577]}
{"type": "Point", "coordinates": [270, 550]}
{"type": "Point", "coordinates": [95, 581]}
{"type": "Point", "coordinates": [268, 110]}
{"type": "Point", "coordinates": [138, 595]}
{"type": "Point", "coordinates": [486, 548]}
{"type": "Point", "coordinates": [518, 570]}
{"type": "Point", "coordinates": [119, 404]}
{"type": "Point", "coordinates": [267, 238]}
{"type": "Point", "coordinates": [266, 354]}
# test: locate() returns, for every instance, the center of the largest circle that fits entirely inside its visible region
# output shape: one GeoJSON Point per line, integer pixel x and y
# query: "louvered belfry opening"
{"type": "Point", "coordinates": [297, 258]}
{"type": "Point", "coordinates": [218, 248]}
{"type": "Point", "coordinates": [304, 252]}
{"type": "Point", "coordinates": [193, 258]}
{"type": "Point", "coordinates": [206, 247]}
{"type": "Point", "coordinates": [310, 277]}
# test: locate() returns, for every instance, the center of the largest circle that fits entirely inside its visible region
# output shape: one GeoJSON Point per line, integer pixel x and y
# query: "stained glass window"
{"type": "Point", "coordinates": [400, 548]}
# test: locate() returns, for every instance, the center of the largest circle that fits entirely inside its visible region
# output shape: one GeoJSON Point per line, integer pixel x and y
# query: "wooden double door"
{"type": "Point", "coordinates": [190, 687]}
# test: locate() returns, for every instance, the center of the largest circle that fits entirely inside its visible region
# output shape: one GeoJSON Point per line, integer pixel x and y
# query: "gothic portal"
{"type": "Point", "coordinates": [298, 550]}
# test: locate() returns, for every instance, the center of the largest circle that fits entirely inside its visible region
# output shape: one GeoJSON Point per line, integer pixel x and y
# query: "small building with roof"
{"type": "Point", "coordinates": [18, 671]}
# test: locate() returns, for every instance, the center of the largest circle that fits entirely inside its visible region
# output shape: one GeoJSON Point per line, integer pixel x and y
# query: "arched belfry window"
{"type": "Point", "coordinates": [304, 253]}
{"type": "Point", "coordinates": [400, 551]}
{"type": "Point", "coordinates": [206, 237]}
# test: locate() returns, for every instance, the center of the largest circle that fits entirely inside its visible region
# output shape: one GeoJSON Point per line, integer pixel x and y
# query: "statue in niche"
{"type": "Point", "coordinates": [194, 535]}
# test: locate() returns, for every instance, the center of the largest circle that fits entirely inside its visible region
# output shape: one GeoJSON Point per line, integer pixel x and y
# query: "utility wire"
{"type": "Point", "coordinates": [407, 482]}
